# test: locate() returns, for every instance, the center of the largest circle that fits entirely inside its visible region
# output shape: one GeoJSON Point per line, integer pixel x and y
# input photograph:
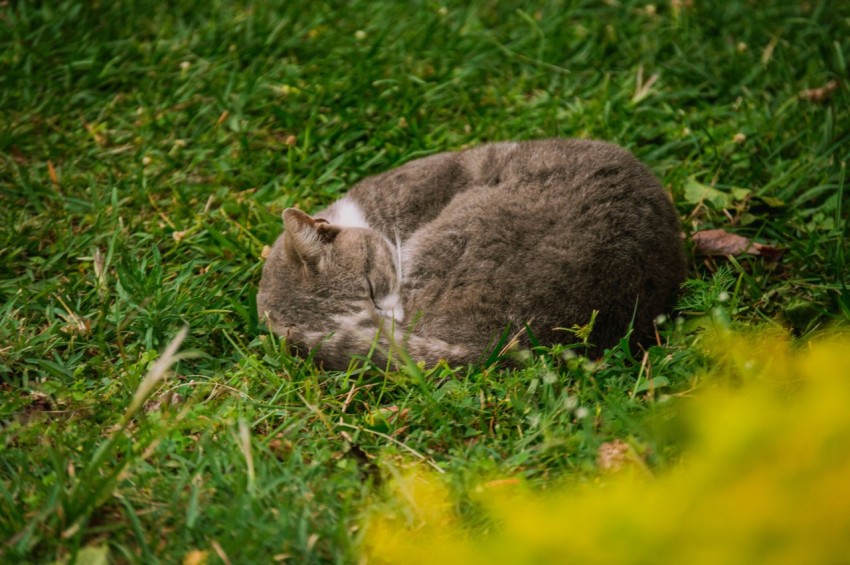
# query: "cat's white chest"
{"type": "Point", "coordinates": [347, 214]}
{"type": "Point", "coordinates": [390, 307]}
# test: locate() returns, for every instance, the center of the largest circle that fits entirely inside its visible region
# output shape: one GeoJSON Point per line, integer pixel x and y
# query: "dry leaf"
{"type": "Point", "coordinates": [96, 132]}
{"type": "Point", "coordinates": [821, 94]}
{"type": "Point", "coordinates": [51, 170]}
{"type": "Point", "coordinates": [720, 242]}
{"type": "Point", "coordinates": [196, 557]}
{"type": "Point", "coordinates": [392, 414]}
{"type": "Point", "coordinates": [612, 455]}
{"type": "Point", "coordinates": [154, 404]}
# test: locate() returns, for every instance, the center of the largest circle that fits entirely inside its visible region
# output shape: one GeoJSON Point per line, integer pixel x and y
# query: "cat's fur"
{"type": "Point", "coordinates": [438, 257]}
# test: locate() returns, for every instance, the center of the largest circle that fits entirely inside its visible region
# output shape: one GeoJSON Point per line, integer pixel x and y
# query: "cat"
{"type": "Point", "coordinates": [436, 259]}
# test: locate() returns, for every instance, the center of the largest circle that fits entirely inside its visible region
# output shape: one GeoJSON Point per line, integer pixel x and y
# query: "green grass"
{"type": "Point", "coordinates": [146, 153]}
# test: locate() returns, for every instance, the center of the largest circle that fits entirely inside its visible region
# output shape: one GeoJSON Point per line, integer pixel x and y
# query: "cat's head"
{"type": "Point", "coordinates": [320, 278]}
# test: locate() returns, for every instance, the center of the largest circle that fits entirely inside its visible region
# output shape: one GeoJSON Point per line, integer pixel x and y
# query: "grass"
{"type": "Point", "coordinates": [146, 155]}
{"type": "Point", "coordinates": [761, 481]}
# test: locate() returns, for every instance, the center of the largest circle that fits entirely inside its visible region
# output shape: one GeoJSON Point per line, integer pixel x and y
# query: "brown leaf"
{"type": "Point", "coordinates": [54, 178]}
{"type": "Point", "coordinates": [196, 557]}
{"type": "Point", "coordinates": [821, 94]}
{"type": "Point", "coordinates": [51, 170]}
{"type": "Point", "coordinates": [96, 131]}
{"type": "Point", "coordinates": [613, 455]}
{"type": "Point", "coordinates": [720, 242]}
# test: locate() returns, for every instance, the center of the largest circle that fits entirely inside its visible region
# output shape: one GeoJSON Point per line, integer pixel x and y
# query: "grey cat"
{"type": "Point", "coordinates": [438, 257]}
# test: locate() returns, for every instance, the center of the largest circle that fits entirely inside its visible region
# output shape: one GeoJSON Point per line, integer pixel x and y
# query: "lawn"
{"type": "Point", "coordinates": [148, 149]}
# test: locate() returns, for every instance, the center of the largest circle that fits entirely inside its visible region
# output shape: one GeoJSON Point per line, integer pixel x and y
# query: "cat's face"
{"type": "Point", "coordinates": [320, 278]}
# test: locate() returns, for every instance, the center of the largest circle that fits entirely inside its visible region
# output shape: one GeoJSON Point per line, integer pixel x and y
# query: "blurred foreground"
{"type": "Point", "coordinates": [763, 479]}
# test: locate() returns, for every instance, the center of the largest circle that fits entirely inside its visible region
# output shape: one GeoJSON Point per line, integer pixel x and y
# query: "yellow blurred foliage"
{"type": "Point", "coordinates": [765, 479]}
{"type": "Point", "coordinates": [196, 557]}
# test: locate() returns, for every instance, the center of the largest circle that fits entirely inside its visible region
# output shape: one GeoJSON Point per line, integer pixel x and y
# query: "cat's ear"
{"type": "Point", "coordinates": [306, 236]}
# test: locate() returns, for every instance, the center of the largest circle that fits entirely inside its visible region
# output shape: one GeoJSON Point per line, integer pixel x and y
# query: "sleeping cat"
{"type": "Point", "coordinates": [440, 256]}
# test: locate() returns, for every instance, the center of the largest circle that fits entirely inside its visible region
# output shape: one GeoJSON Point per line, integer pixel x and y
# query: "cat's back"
{"type": "Point", "coordinates": [551, 231]}
{"type": "Point", "coordinates": [578, 167]}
